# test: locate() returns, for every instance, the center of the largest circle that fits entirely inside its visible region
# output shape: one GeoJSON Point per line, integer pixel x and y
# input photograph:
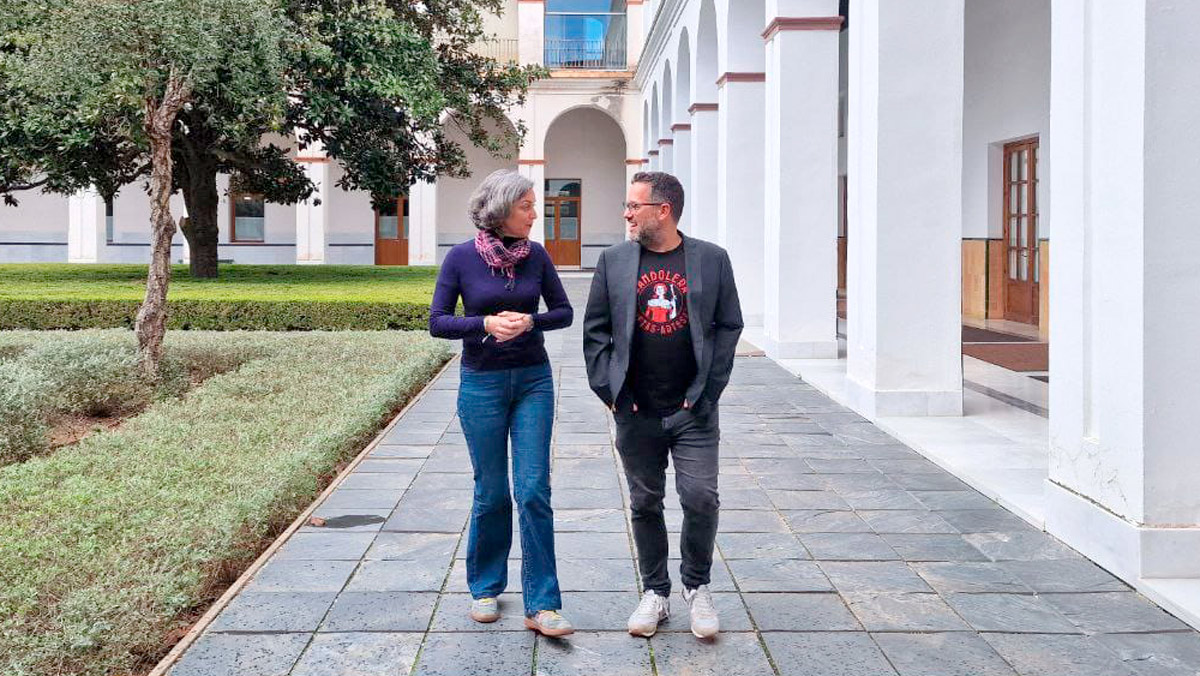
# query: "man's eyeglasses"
{"type": "Point", "coordinates": [634, 206]}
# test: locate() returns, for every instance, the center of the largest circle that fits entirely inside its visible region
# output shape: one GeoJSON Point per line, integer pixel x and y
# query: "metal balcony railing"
{"type": "Point", "coordinates": [604, 54]}
{"type": "Point", "coordinates": [503, 50]}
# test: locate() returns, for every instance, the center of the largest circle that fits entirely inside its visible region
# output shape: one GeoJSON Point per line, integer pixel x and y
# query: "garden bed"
{"type": "Point", "coordinates": [109, 547]}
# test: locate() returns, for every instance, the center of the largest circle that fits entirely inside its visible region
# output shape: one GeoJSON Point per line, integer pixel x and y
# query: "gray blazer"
{"type": "Point", "coordinates": [713, 308]}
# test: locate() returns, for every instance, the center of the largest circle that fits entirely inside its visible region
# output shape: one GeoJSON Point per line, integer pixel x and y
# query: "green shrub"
{"type": "Point", "coordinates": [108, 546]}
{"type": "Point", "coordinates": [24, 392]}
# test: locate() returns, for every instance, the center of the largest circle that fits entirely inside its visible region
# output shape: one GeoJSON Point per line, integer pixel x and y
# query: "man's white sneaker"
{"type": "Point", "coordinates": [704, 615]}
{"type": "Point", "coordinates": [650, 611]}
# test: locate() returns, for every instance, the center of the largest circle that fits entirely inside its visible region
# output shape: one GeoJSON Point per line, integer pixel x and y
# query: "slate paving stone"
{"type": "Point", "coordinates": [591, 546]}
{"type": "Point", "coordinates": [596, 575]}
{"type": "Point", "coordinates": [1113, 612]}
{"type": "Point", "coordinates": [389, 466]}
{"type": "Point", "coordinates": [586, 653]}
{"type": "Point", "coordinates": [1057, 655]}
{"type": "Point", "coordinates": [933, 547]}
{"type": "Point", "coordinates": [349, 498]}
{"type": "Point", "coordinates": [801, 612]}
{"type": "Point", "coordinates": [453, 614]}
{"type": "Point", "coordinates": [929, 481]}
{"type": "Point", "coordinates": [825, 521]}
{"type": "Point", "coordinates": [879, 499]}
{"type": "Point", "coordinates": [991, 520]}
{"type": "Point", "coordinates": [1010, 613]}
{"type": "Point", "coordinates": [720, 580]}
{"type": "Point", "coordinates": [602, 611]}
{"type": "Point", "coordinates": [808, 500]}
{"type": "Point", "coordinates": [400, 451]}
{"type": "Point", "coordinates": [333, 546]}
{"type": "Point", "coordinates": [953, 500]}
{"type": "Point", "coordinates": [378, 480]}
{"type": "Point", "coordinates": [1064, 575]}
{"type": "Point", "coordinates": [827, 654]}
{"type": "Point", "coordinates": [789, 482]}
{"type": "Point", "coordinates": [457, 499]}
{"type": "Point", "coordinates": [760, 545]}
{"type": "Point", "coordinates": [347, 520]}
{"type": "Point", "coordinates": [749, 521]}
{"type": "Point", "coordinates": [274, 611]}
{"type": "Point", "coordinates": [359, 654]}
{"type": "Point", "coordinates": [873, 576]}
{"type": "Point", "coordinates": [903, 612]}
{"type": "Point", "coordinates": [839, 465]}
{"type": "Point", "coordinates": [589, 521]}
{"type": "Point", "coordinates": [969, 577]}
{"type": "Point", "coordinates": [906, 521]}
{"type": "Point", "coordinates": [426, 481]}
{"type": "Point", "coordinates": [476, 654]}
{"type": "Point", "coordinates": [584, 498]}
{"type": "Point", "coordinates": [1024, 546]}
{"type": "Point", "coordinates": [744, 498]}
{"type": "Point", "coordinates": [380, 611]}
{"type": "Point", "coordinates": [778, 575]}
{"type": "Point", "coordinates": [942, 654]}
{"type": "Point", "coordinates": [241, 655]}
{"type": "Point", "coordinates": [414, 546]}
{"type": "Point", "coordinates": [1157, 654]}
{"type": "Point", "coordinates": [847, 547]}
{"type": "Point", "coordinates": [411, 520]}
{"type": "Point", "coordinates": [302, 576]}
{"type": "Point", "coordinates": [393, 576]}
{"type": "Point", "coordinates": [729, 654]}
{"type": "Point", "coordinates": [457, 582]}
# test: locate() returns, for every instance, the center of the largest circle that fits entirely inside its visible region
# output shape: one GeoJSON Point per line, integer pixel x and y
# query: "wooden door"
{"type": "Point", "coordinates": [562, 221]}
{"type": "Point", "coordinates": [1022, 255]}
{"type": "Point", "coordinates": [391, 233]}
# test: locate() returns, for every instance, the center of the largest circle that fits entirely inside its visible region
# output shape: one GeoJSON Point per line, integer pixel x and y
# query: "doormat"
{"type": "Point", "coordinates": [1027, 356]}
{"type": "Point", "coordinates": [971, 334]}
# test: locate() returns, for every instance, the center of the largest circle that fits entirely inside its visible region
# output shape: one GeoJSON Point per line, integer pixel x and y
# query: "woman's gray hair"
{"type": "Point", "coordinates": [492, 201]}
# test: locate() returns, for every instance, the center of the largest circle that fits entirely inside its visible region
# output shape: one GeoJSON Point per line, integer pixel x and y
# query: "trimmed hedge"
{"type": "Point", "coordinates": [110, 547]}
{"type": "Point", "coordinates": [217, 315]}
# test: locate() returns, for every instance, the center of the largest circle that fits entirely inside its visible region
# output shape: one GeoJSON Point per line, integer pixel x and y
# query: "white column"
{"type": "Point", "coordinates": [422, 223]}
{"type": "Point", "coordinates": [702, 174]}
{"type": "Point", "coordinates": [637, 22]}
{"type": "Point", "coordinates": [531, 30]}
{"type": "Point", "coordinates": [655, 162]}
{"type": "Point", "coordinates": [666, 154]}
{"type": "Point", "coordinates": [740, 138]}
{"type": "Point", "coordinates": [535, 170]}
{"type": "Point", "coordinates": [682, 160]}
{"type": "Point", "coordinates": [800, 286]}
{"type": "Point", "coordinates": [85, 231]}
{"type": "Point", "coordinates": [311, 217]}
{"type": "Point", "coordinates": [1125, 372]}
{"type": "Point", "coordinates": [903, 282]}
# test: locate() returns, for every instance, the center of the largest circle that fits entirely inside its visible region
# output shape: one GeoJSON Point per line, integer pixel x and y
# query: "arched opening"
{"type": "Point", "coordinates": [683, 79]}
{"type": "Point", "coordinates": [585, 183]}
{"type": "Point", "coordinates": [705, 83]}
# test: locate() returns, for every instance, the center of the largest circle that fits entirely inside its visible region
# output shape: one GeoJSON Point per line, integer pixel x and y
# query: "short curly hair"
{"type": "Point", "coordinates": [492, 201]}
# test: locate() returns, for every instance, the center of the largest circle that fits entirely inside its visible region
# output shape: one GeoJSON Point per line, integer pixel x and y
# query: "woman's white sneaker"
{"type": "Point", "coordinates": [650, 611]}
{"type": "Point", "coordinates": [705, 623]}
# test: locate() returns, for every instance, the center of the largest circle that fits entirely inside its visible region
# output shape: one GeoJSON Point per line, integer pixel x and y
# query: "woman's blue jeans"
{"type": "Point", "coordinates": [492, 406]}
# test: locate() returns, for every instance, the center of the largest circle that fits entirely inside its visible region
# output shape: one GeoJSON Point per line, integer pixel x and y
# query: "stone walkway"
{"type": "Point", "coordinates": [840, 553]}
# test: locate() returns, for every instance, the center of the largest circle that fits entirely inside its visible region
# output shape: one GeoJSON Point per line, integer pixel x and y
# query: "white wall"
{"type": "Point", "coordinates": [453, 194]}
{"type": "Point", "coordinates": [587, 144]}
{"type": "Point", "coordinates": [1006, 97]}
{"type": "Point", "coordinates": [504, 25]}
{"type": "Point", "coordinates": [42, 220]}
{"type": "Point", "coordinates": [350, 227]}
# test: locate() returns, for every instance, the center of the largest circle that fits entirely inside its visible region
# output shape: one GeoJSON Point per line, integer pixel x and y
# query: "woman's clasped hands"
{"type": "Point", "coordinates": [507, 325]}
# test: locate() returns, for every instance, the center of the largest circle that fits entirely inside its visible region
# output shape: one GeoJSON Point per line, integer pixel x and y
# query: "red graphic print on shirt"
{"type": "Point", "coordinates": [662, 302]}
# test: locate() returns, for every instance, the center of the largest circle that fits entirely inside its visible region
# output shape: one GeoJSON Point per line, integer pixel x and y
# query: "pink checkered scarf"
{"type": "Point", "coordinates": [501, 258]}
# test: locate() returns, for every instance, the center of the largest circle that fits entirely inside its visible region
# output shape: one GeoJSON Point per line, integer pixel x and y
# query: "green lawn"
{"type": "Point", "coordinates": [244, 297]}
{"type": "Point", "coordinates": [110, 547]}
{"type": "Point", "coordinates": [37, 281]}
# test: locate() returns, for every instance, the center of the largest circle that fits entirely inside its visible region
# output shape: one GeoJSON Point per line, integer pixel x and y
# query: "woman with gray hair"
{"type": "Point", "coordinates": [506, 390]}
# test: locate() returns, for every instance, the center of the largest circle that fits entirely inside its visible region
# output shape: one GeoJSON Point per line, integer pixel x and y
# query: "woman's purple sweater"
{"type": "Point", "coordinates": [465, 275]}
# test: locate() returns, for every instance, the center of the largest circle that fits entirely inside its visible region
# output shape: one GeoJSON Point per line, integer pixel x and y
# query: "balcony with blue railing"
{"type": "Point", "coordinates": [585, 35]}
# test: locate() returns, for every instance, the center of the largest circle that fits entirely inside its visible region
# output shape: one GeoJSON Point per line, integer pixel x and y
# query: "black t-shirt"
{"type": "Point", "coordinates": [662, 363]}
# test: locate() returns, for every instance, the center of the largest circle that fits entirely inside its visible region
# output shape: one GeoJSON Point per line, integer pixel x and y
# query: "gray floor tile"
{"type": "Point", "coordinates": [953, 500]}
{"type": "Point", "coordinates": [760, 545]}
{"type": "Point", "coordinates": [1157, 654]}
{"type": "Point", "coordinates": [427, 520]}
{"type": "Point", "coordinates": [274, 611]}
{"type": "Point", "coordinates": [585, 498]}
{"type": "Point", "coordinates": [395, 576]}
{"type": "Point", "coordinates": [942, 654]}
{"type": "Point", "coordinates": [873, 576]}
{"type": "Point", "coordinates": [807, 500]}
{"type": "Point", "coordinates": [906, 521]}
{"type": "Point", "coordinates": [903, 612]}
{"type": "Point", "coordinates": [593, 546]}
{"type": "Point", "coordinates": [408, 466]}
{"type": "Point", "coordinates": [347, 520]}
{"type": "Point", "coordinates": [1113, 612]}
{"type": "Point", "coordinates": [827, 654]}
{"type": "Point", "coordinates": [476, 654]}
{"type": "Point", "coordinates": [729, 654]}
{"type": "Point", "coordinates": [880, 499]}
{"type": "Point", "coordinates": [579, 575]}
{"type": "Point", "coordinates": [414, 546]}
{"type": "Point", "coordinates": [457, 581]}
{"type": "Point", "coordinates": [990, 520]}
{"type": "Point", "coordinates": [744, 521]}
{"type": "Point", "coordinates": [1064, 575]}
{"type": "Point", "coordinates": [1057, 655]}
{"type": "Point", "coordinates": [333, 546]}
{"type": "Point", "coordinates": [359, 654]}
{"type": "Point", "coordinates": [801, 612]}
{"type": "Point", "coordinates": [589, 521]}
{"type": "Point", "coordinates": [599, 611]}
{"type": "Point", "coordinates": [302, 576]}
{"type": "Point", "coordinates": [378, 480]}
{"type": "Point", "coordinates": [778, 575]}
{"type": "Point", "coordinates": [825, 521]}
{"type": "Point", "coordinates": [453, 614]}
{"type": "Point", "coordinates": [933, 547]}
{"type": "Point", "coordinates": [380, 611]}
{"type": "Point", "coordinates": [847, 547]}
{"type": "Point", "coordinates": [1010, 613]}
{"type": "Point", "coordinates": [585, 653]}
{"type": "Point", "coordinates": [351, 498]}
{"type": "Point", "coordinates": [966, 576]}
{"type": "Point", "coordinates": [1023, 546]}
{"type": "Point", "coordinates": [241, 655]}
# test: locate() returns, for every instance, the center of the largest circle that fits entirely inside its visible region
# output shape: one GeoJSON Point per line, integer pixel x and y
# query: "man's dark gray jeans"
{"type": "Point", "coordinates": [692, 442]}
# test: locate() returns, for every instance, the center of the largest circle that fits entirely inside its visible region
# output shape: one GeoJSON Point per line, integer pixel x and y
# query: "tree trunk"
{"type": "Point", "coordinates": [151, 323]}
{"type": "Point", "coordinates": [200, 196]}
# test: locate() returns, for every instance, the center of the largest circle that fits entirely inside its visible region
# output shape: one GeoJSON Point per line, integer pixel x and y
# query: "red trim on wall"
{"type": "Point", "coordinates": [531, 162]}
{"type": "Point", "coordinates": [806, 23]}
{"type": "Point", "coordinates": [638, 162]}
{"type": "Point", "coordinates": [666, 141]}
{"type": "Point", "coordinates": [681, 126]}
{"type": "Point", "coordinates": [313, 159]}
{"type": "Point", "coordinates": [702, 106]}
{"type": "Point", "coordinates": [741, 77]}
{"type": "Point", "coordinates": [653, 153]}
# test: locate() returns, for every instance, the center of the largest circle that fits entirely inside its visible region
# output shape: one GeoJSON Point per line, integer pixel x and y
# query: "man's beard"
{"type": "Point", "coordinates": [647, 234]}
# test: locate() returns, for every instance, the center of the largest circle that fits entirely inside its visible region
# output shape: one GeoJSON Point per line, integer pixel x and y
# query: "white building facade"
{"type": "Point", "coordinates": [908, 158]}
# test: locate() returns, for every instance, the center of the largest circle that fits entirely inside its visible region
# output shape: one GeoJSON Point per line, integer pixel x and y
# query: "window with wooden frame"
{"type": "Point", "coordinates": [247, 218]}
{"type": "Point", "coordinates": [108, 220]}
